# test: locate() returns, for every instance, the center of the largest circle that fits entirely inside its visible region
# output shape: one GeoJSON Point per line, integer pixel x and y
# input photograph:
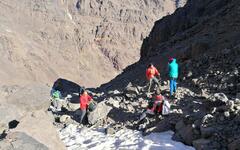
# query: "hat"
{"type": "Point", "coordinates": [170, 59]}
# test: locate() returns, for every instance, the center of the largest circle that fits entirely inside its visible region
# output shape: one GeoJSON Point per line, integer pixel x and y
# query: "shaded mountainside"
{"type": "Point", "coordinates": [86, 41]}
{"type": "Point", "coordinates": [202, 29]}
{"type": "Point", "coordinates": [204, 37]}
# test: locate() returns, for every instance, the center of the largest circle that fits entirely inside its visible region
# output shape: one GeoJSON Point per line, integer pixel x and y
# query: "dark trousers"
{"type": "Point", "coordinates": [153, 81]}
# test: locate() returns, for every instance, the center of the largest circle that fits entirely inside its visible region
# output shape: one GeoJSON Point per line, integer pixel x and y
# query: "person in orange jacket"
{"type": "Point", "coordinates": [84, 102]}
{"type": "Point", "coordinates": [151, 74]}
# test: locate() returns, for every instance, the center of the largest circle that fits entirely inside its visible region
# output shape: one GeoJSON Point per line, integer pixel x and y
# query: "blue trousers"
{"type": "Point", "coordinates": [173, 85]}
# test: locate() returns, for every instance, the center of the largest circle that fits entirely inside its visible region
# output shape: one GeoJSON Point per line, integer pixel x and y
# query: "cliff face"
{"type": "Point", "coordinates": [199, 27]}
{"type": "Point", "coordinates": [86, 41]}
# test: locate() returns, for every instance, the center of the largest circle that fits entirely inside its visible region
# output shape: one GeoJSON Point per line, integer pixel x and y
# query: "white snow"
{"type": "Point", "coordinates": [95, 139]}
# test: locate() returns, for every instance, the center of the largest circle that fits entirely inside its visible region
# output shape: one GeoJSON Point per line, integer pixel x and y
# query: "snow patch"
{"type": "Point", "coordinates": [91, 139]}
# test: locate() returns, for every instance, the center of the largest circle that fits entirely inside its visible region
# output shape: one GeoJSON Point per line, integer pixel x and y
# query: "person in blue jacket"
{"type": "Point", "coordinates": [173, 74]}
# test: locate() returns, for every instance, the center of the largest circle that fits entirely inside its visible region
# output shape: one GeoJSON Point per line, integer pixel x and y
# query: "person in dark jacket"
{"type": "Point", "coordinates": [173, 75]}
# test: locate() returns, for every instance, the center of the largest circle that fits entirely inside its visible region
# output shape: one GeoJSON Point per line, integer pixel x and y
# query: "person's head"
{"type": "Point", "coordinates": [150, 65]}
{"type": "Point", "coordinates": [170, 59]}
{"type": "Point", "coordinates": [158, 92]}
{"type": "Point", "coordinates": [84, 91]}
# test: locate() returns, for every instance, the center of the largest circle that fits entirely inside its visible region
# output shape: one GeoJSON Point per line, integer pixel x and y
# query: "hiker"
{"type": "Point", "coordinates": [56, 100]}
{"type": "Point", "coordinates": [156, 107]}
{"type": "Point", "coordinates": [84, 103]}
{"type": "Point", "coordinates": [151, 74]}
{"type": "Point", "coordinates": [173, 75]}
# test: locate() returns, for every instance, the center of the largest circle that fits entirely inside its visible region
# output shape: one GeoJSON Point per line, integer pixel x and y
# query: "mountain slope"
{"type": "Point", "coordinates": [87, 41]}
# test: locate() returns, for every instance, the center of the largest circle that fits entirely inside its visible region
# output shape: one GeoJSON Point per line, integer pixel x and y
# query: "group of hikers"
{"type": "Point", "coordinates": [158, 104]}
{"type": "Point", "coordinates": [157, 99]}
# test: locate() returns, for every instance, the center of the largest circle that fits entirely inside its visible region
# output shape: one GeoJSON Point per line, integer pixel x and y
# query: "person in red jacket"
{"type": "Point", "coordinates": [156, 108]}
{"type": "Point", "coordinates": [84, 101]}
{"type": "Point", "coordinates": [151, 74]}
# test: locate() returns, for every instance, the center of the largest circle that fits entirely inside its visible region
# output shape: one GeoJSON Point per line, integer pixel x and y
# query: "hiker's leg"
{"type": "Point", "coordinates": [175, 85]}
{"type": "Point", "coordinates": [59, 105]}
{"type": "Point", "coordinates": [156, 81]}
{"type": "Point", "coordinates": [171, 86]}
{"type": "Point", "coordinates": [83, 113]}
{"type": "Point", "coordinates": [150, 85]}
{"type": "Point", "coordinates": [55, 103]}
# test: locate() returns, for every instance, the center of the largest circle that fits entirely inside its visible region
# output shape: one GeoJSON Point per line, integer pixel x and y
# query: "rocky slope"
{"type": "Point", "coordinates": [203, 36]}
{"type": "Point", "coordinates": [86, 41]}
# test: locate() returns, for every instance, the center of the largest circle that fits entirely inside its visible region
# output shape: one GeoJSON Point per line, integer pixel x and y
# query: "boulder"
{"type": "Point", "coordinates": [202, 144]}
{"type": "Point", "coordinates": [31, 97]}
{"type": "Point", "coordinates": [219, 97]}
{"type": "Point", "coordinates": [235, 145]}
{"type": "Point", "coordinates": [100, 112]}
{"type": "Point", "coordinates": [207, 132]}
{"type": "Point", "coordinates": [21, 141]}
{"type": "Point", "coordinates": [64, 118]}
{"type": "Point", "coordinates": [73, 106]}
{"type": "Point", "coordinates": [113, 102]}
{"type": "Point", "coordinates": [187, 134]}
{"type": "Point", "coordinates": [130, 90]}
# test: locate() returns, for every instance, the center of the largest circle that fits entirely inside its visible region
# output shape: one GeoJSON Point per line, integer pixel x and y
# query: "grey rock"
{"type": "Point", "coordinates": [130, 108]}
{"type": "Point", "coordinates": [73, 106]}
{"type": "Point", "coordinates": [207, 132]}
{"type": "Point", "coordinates": [100, 112]}
{"type": "Point", "coordinates": [226, 114]}
{"type": "Point", "coordinates": [207, 119]}
{"type": "Point", "coordinates": [130, 89]}
{"type": "Point", "coordinates": [180, 124]}
{"type": "Point", "coordinates": [187, 134]}
{"type": "Point", "coordinates": [113, 102]}
{"type": "Point", "coordinates": [234, 145]}
{"type": "Point", "coordinates": [202, 144]}
{"type": "Point", "coordinates": [21, 141]}
{"type": "Point", "coordinates": [221, 97]}
{"type": "Point", "coordinates": [110, 130]}
{"type": "Point", "coordinates": [64, 118]}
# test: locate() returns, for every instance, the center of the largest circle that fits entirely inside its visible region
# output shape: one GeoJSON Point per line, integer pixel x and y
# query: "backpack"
{"type": "Point", "coordinates": [166, 108]}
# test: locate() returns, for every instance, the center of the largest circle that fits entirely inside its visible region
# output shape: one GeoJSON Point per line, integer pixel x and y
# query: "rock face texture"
{"type": "Point", "coordinates": [86, 41]}
{"type": "Point", "coordinates": [203, 36]}
{"type": "Point", "coordinates": [24, 119]}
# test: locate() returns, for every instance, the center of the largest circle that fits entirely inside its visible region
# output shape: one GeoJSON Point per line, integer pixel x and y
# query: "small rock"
{"type": "Point", "coordinates": [110, 130]}
{"type": "Point", "coordinates": [195, 81]}
{"type": "Point", "coordinates": [130, 108]}
{"type": "Point", "coordinates": [189, 74]}
{"type": "Point", "coordinates": [207, 119]}
{"type": "Point", "coordinates": [219, 97]}
{"type": "Point", "coordinates": [64, 118]}
{"type": "Point", "coordinates": [227, 114]}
